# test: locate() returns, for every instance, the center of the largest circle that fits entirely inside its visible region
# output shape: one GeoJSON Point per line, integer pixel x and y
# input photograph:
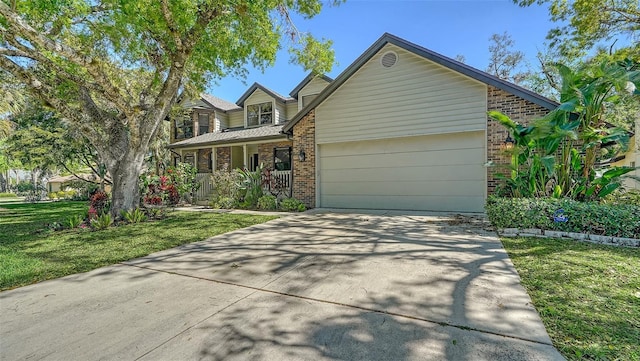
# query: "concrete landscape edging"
{"type": "Point", "coordinates": [585, 237]}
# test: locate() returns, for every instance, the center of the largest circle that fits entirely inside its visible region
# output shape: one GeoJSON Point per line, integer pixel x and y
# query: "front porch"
{"type": "Point", "coordinates": [274, 157]}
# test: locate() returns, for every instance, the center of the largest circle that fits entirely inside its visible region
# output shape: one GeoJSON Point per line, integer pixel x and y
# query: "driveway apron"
{"type": "Point", "coordinates": [317, 286]}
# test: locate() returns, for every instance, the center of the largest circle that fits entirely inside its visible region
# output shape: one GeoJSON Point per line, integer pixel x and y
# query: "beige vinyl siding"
{"type": "Point", "coordinates": [415, 96]}
{"type": "Point", "coordinates": [222, 121]}
{"type": "Point", "coordinates": [291, 110]}
{"type": "Point", "coordinates": [195, 104]}
{"type": "Point", "coordinates": [315, 86]}
{"type": "Point", "coordinates": [280, 115]}
{"type": "Point", "coordinates": [236, 119]}
{"type": "Point", "coordinates": [435, 172]}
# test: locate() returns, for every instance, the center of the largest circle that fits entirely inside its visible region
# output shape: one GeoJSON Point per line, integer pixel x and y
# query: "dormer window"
{"type": "Point", "coordinates": [184, 128]}
{"type": "Point", "coordinates": [203, 123]}
{"type": "Point", "coordinates": [259, 114]}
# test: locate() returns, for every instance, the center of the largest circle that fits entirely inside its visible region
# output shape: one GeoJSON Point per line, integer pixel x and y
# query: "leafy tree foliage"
{"type": "Point", "coordinates": [114, 69]}
{"type": "Point", "coordinates": [41, 140]}
{"type": "Point", "coordinates": [589, 22]}
{"type": "Point", "coordinates": [504, 60]}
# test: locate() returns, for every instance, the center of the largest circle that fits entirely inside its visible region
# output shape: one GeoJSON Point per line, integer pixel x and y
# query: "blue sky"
{"type": "Point", "coordinates": [447, 27]}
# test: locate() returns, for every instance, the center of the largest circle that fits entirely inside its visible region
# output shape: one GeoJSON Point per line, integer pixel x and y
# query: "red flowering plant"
{"type": "Point", "coordinates": [98, 204]}
{"type": "Point", "coordinates": [159, 190]}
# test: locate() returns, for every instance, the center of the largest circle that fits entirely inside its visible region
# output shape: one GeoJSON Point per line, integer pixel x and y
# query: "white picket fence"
{"type": "Point", "coordinates": [206, 186]}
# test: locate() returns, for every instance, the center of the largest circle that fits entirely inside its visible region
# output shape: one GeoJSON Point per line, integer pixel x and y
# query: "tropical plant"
{"type": "Point", "coordinates": [133, 216]}
{"type": "Point", "coordinates": [100, 222]}
{"type": "Point", "coordinates": [558, 154]}
{"type": "Point", "coordinates": [98, 204]}
{"type": "Point", "coordinates": [250, 183]}
{"type": "Point", "coordinates": [74, 221]}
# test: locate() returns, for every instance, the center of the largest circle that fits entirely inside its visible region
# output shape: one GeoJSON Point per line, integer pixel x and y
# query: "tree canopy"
{"type": "Point", "coordinates": [588, 22]}
{"type": "Point", "coordinates": [115, 68]}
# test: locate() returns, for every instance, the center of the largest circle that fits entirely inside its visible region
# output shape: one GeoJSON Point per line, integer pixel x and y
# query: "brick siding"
{"type": "Point", "coordinates": [204, 160]}
{"type": "Point", "coordinates": [223, 158]}
{"type": "Point", "coordinates": [518, 109]}
{"type": "Point", "coordinates": [304, 173]}
{"type": "Point", "coordinates": [265, 152]}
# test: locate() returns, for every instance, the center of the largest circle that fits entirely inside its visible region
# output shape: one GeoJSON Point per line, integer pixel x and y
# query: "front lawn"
{"type": "Point", "coordinates": [30, 252]}
{"type": "Point", "coordinates": [587, 295]}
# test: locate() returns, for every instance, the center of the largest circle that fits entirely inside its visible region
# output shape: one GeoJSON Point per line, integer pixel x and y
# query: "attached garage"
{"type": "Point", "coordinates": [405, 128]}
{"type": "Point", "coordinates": [432, 172]}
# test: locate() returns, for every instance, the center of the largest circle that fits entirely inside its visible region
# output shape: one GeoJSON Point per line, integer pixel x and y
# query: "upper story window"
{"type": "Point", "coordinates": [183, 128]}
{"type": "Point", "coordinates": [259, 114]}
{"type": "Point", "coordinates": [203, 123]}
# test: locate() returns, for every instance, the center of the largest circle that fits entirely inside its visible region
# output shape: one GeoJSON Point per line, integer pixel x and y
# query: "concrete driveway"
{"type": "Point", "coordinates": [318, 286]}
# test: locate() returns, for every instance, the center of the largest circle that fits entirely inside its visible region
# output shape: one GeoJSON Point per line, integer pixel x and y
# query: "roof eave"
{"type": "Point", "coordinates": [226, 141]}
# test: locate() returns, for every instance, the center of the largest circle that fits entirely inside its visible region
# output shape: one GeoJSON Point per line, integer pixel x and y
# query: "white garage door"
{"type": "Point", "coordinates": [435, 172]}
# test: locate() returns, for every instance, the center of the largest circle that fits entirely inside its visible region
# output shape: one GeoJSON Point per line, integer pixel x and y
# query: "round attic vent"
{"type": "Point", "coordinates": [389, 59]}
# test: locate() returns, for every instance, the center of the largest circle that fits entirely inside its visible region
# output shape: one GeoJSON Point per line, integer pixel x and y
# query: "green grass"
{"type": "Point", "coordinates": [30, 252]}
{"type": "Point", "coordinates": [587, 295]}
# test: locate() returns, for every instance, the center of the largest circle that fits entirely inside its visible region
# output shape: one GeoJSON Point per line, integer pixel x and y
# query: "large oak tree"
{"type": "Point", "coordinates": [113, 69]}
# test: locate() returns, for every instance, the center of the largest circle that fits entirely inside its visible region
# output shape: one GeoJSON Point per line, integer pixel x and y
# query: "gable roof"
{"type": "Point", "coordinates": [306, 80]}
{"type": "Point", "coordinates": [429, 55]}
{"type": "Point", "coordinates": [218, 103]}
{"type": "Point", "coordinates": [257, 86]}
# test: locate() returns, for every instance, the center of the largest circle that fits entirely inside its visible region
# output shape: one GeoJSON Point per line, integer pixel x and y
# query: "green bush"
{"type": "Point", "coordinates": [74, 221]}
{"type": "Point", "coordinates": [53, 195]}
{"type": "Point", "coordinates": [631, 196]}
{"type": "Point", "coordinates": [621, 220]}
{"type": "Point", "coordinates": [8, 195]}
{"type": "Point", "coordinates": [133, 216]}
{"type": "Point", "coordinates": [292, 205]}
{"type": "Point", "coordinates": [268, 203]}
{"type": "Point", "coordinates": [223, 203]}
{"type": "Point", "coordinates": [61, 194]}
{"type": "Point", "coordinates": [102, 221]}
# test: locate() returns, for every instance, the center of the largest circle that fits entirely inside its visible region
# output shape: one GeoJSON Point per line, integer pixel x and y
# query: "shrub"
{"type": "Point", "coordinates": [53, 195]}
{"type": "Point", "coordinates": [102, 221]}
{"type": "Point", "coordinates": [133, 216]}
{"type": "Point", "coordinates": [225, 193]}
{"type": "Point", "coordinates": [224, 203]}
{"type": "Point", "coordinates": [61, 194]}
{"type": "Point", "coordinates": [268, 203]}
{"type": "Point", "coordinates": [631, 196]}
{"type": "Point", "coordinates": [183, 177]}
{"type": "Point", "coordinates": [621, 220]}
{"type": "Point", "coordinates": [8, 195]}
{"type": "Point", "coordinates": [74, 221]}
{"type": "Point", "coordinates": [98, 204]}
{"type": "Point", "coordinates": [292, 205]}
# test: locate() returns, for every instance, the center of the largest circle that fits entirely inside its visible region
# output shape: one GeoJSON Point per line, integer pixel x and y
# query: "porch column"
{"type": "Point", "coordinates": [214, 159]}
{"type": "Point", "coordinates": [245, 156]}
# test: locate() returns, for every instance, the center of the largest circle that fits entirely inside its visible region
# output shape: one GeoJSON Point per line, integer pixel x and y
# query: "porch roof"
{"type": "Point", "coordinates": [233, 136]}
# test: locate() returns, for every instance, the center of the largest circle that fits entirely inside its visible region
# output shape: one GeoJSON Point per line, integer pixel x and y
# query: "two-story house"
{"type": "Point", "coordinates": [402, 127]}
{"type": "Point", "coordinates": [218, 134]}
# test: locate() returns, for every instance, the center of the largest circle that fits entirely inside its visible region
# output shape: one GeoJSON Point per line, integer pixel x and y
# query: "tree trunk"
{"type": "Point", "coordinates": [125, 173]}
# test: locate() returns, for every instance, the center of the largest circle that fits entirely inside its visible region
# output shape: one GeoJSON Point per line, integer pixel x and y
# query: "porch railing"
{"type": "Point", "coordinates": [206, 186]}
{"type": "Point", "coordinates": [275, 182]}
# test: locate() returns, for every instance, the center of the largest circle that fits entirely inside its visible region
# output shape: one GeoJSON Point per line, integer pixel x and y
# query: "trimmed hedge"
{"type": "Point", "coordinates": [618, 220]}
{"type": "Point", "coordinates": [8, 195]}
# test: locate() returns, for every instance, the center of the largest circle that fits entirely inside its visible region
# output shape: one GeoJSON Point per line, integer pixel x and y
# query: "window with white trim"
{"type": "Point", "coordinates": [259, 114]}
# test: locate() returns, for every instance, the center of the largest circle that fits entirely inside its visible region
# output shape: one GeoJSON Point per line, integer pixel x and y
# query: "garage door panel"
{"type": "Point", "coordinates": [427, 203]}
{"type": "Point", "coordinates": [390, 174]}
{"type": "Point", "coordinates": [446, 142]}
{"type": "Point", "coordinates": [467, 156]}
{"type": "Point", "coordinates": [465, 188]}
{"type": "Point", "coordinates": [434, 172]}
